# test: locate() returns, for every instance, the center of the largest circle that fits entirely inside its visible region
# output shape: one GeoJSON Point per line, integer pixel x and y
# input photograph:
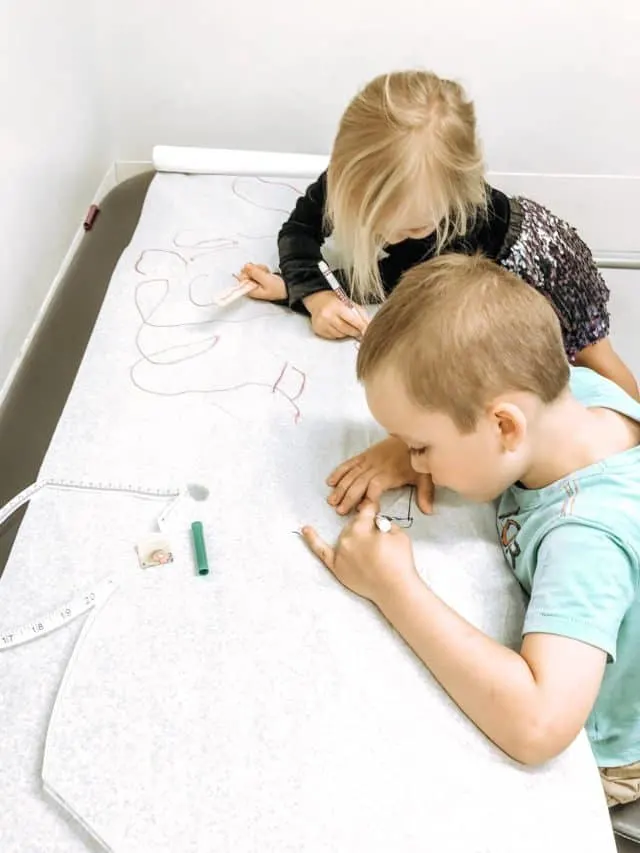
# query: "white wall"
{"type": "Point", "coordinates": [556, 85]}
{"type": "Point", "coordinates": [556, 81]}
{"type": "Point", "coordinates": [53, 151]}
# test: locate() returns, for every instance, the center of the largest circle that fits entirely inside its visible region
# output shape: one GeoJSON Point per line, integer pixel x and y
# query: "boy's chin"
{"type": "Point", "coordinates": [484, 496]}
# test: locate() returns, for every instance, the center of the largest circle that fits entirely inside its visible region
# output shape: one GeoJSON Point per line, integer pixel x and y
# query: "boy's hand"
{"type": "Point", "coordinates": [370, 563]}
{"type": "Point", "coordinates": [385, 465]}
{"type": "Point", "coordinates": [332, 319]}
{"type": "Point", "coordinates": [269, 286]}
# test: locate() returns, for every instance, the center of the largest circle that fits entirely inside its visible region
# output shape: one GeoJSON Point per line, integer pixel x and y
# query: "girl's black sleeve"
{"type": "Point", "coordinates": [299, 243]}
{"type": "Point", "coordinates": [302, 236]}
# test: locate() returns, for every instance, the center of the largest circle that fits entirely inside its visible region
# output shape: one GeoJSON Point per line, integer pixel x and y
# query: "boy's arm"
{"type": "Point", "coordinates": [532, 704]}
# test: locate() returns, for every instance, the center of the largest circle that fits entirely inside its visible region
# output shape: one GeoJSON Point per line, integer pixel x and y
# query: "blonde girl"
{"type": "Point", "coordinates": [405, 183]}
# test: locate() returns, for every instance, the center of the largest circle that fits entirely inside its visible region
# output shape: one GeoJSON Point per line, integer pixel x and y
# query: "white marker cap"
{"type": "Point", "coordinates": [383, 524]}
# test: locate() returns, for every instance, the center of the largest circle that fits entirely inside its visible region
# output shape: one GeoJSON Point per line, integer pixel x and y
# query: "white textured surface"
{"type": "Point", "coordinates": [262, 708]}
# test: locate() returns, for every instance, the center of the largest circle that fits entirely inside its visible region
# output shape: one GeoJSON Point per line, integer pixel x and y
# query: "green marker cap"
{"type": "Point", "coordinates": [199, 547]}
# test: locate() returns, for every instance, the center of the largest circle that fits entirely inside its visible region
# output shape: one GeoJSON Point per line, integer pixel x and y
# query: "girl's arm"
{"type": "Point", "coordinates": [299, 243]}
{"type": "Point", "coordinates": [301, 238]}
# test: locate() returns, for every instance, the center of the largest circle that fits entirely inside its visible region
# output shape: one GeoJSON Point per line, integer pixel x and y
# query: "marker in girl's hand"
{"type": "Point", "coordinates": [335, 285]}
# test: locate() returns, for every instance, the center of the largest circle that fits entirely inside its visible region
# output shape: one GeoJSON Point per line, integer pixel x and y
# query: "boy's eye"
{"type": "Point", "coordinates": [417, 451]}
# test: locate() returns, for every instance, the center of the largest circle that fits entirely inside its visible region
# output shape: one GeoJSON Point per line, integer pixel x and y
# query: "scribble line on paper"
{"type": "Point", "coordinates": [165, 358]}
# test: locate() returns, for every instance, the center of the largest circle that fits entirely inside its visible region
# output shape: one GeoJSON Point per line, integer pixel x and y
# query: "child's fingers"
{"type": "Point", "coordinates": [318, 546]}
{"type": "Point", "coordinates": [353, 319]}
{"type": "Point", "coordinates": [376, 487]}
{"type": "Point", "coordinates": [249, 271]}
{"type": "Point", "coordinates": [343, 329]}
{"type": "Point", "coordinates": [328, 333]}
{"type": "Point", "coordinates": [268, 285]}
{"type": "Point", "coordinates": [357, 490]}
{"type": "Point", "coordinates": [365, 519]}
{"type": "Point", "coordinates": [335, 476]}
{"type": "Point", "coordinates": [363, 314]}
{"type": "Point", "coordinates": [350, 489]}
{"type": "Point", "coordinates": [252, 268]}
{"type": "Point", "coordinates": [344, 483]}
{"type": "Point", "coordinates": [330, 330]}
{"type": "Point", "coordinates": [260, 276]}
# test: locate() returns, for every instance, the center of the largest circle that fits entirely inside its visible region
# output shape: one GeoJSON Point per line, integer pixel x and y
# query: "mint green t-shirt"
{"type": "Point", "coordinates": [575, 548]}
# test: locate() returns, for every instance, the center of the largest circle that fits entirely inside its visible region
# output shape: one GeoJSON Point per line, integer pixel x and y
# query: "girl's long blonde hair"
{"type": "Point", "coordinates": [405, 133]}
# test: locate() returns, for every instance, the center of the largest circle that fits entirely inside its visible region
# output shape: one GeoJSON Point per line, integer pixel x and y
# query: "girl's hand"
{"type": "Point", "coordinates": [370, 563]}
{"type": "Point", "coordinates": [385, 465]}
{"type": "Point", "coordinates": [269, 286]}
{"type": "Point", "coordinates": [332, 319]}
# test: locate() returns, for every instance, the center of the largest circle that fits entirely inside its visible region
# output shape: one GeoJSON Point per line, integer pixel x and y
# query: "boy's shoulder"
{"type": "Point", "coordinates": [621, 472]}
{"type": "Point", "coordinates": [593, 390]}
{"type": "Point", "coordinates": [603, 497]}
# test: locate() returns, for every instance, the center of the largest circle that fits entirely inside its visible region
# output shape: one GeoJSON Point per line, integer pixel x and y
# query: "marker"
{"type": "Point", "coordinates": [199, 547]}
{"type": "Point", "coordinates": [383, 523]}
{"type": "Point", "coordinates": [91, 217]}
{"type": "Point", "coordinates": [234, 292]}
{"type": "Point", "coordinates": [335, 285]}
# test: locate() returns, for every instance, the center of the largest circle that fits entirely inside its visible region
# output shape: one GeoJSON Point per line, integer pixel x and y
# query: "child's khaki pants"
{"type": "Point", "coordinates": [621, 784]}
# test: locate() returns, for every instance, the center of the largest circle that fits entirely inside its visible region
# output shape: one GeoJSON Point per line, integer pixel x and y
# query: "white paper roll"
{"type": "Point", "coordinates": [221, 161]}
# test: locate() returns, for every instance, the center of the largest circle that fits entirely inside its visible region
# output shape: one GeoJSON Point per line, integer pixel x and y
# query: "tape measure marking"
{"type": "Point", "coordinates": [59, 616]}
{"type": "Point", "coordinates": [26, 494]}
{"type": "Point", "coordinates": [84, 601]}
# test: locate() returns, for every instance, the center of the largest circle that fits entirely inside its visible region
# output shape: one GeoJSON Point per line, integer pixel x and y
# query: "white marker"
{"type": "Point", "coordinates": [234, 292]}
{"type": "Point", "coordinates": [335, 285]}
{"type": "Point", "coordinates": [383, 523]}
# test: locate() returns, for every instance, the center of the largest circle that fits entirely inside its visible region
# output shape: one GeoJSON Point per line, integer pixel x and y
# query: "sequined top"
{"type": "Point", "coordinates": [520, 234]}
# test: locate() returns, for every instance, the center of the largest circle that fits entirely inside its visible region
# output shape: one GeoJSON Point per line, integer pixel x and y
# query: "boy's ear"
{"type": "Point", "coordinates": [511, 424]}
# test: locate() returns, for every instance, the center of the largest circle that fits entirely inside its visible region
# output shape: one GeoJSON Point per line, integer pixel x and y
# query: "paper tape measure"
{"type": "Point", "coordinates": [26, 494]}
{"type": "Point", "coordinates": [59, 616]}
{"type": "Point", "coordinates": [84, 601]}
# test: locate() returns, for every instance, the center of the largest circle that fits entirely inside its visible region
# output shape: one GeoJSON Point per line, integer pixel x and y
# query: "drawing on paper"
{"type": "Point", "coordinates": [188, 306]}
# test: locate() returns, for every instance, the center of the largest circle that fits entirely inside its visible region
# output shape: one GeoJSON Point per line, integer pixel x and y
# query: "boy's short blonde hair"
{"type": "Point", "coordinates": [461, 331]}
{"type": "Point", "coordinates": [407, 134]}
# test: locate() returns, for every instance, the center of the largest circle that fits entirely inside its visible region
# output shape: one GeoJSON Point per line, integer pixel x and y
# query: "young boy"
{"type": "Point", "coordinates": [465, 365]}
